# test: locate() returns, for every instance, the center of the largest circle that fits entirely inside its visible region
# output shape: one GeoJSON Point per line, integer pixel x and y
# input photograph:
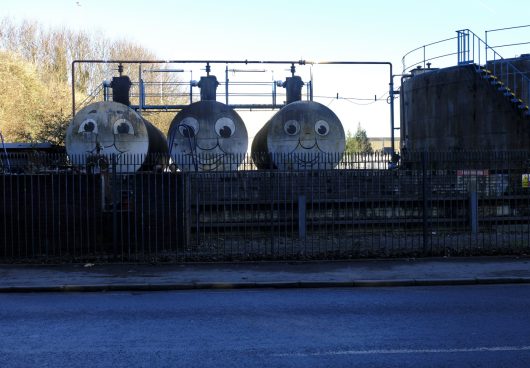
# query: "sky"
{"type": "Point", "coordinates": [314, 30]}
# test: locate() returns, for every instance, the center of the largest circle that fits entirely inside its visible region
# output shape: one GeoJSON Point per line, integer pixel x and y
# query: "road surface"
{"type": "Point", "coordinates": [455, 326]}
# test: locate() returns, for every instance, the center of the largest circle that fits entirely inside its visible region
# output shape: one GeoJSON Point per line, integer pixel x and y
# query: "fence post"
{"type": "Point", "coordinates": [114, 191]}
{"type": "Point", "coordinates": [424, 196]}
{"type": "Point", "coordinates": [473, 205]}
{"type": "Point", "coordinates": [301, 216]}
{"type": "Point", "coordinates": [182, 229]}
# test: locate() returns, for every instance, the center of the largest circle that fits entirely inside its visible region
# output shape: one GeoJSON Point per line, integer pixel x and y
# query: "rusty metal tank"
{"type": "Point", "coordinates": [304, 135]}
{"type": "Point", "coordinates": [455, 109]}
{"type": "Point", "coordinates": [110, 129]}
{"type": "Point", "coordinates": [207, 136]}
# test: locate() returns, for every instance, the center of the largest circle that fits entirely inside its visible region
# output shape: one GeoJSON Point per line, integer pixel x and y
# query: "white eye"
{"type": "Point", "coordinates": [189, 127]}
{"type": "Point", "coordinates": [292, 127]}
{"type": "Point", "coordinates": [122, 126]}
{"type": "Point", "coordinates": [322, 127]}
{"type": "Point", "coordinates": [88, 126]}
{"type": "Point", "coordinates": [225, 127]}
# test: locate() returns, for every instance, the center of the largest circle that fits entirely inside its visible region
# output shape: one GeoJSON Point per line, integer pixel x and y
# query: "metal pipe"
{"type": "Point", "coordinates": [392, 128]}
{"type": "Point", "coordinates": [273, 93]}
{"type": "Point", "coordinates": [208, 62]}
{"type": "Point", "coordinates": [311, 84]}
{"type": "Point", "coordinates": [402, 122]}
{"type": "Point", "coordinates": [165, 70]}
{"type": "Point", "coordinates": [233, 106]}
{"type": "Point", "coordinates": [226, 84]}
{"type": "Point", "coordinates": [191, 87]}
{"type": "Point", "coordinates": [141, 90]}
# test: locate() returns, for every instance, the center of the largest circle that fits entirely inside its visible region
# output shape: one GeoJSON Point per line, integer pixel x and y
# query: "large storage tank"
{"type": "Point", "coordinates": [208, 136]}
{"type": "Point", "coordinates": [108, 129]}
{"type": "Point", "coordinates": [303, 135]}
{"type": "Point", "coordinates": [456, 108]}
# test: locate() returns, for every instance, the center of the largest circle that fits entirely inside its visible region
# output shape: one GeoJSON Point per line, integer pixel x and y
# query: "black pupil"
{"type": "Point", "coordinates": [291, 129]}
{"type": "Point", "coordinates": [322, 129]}
{"type": "Point", "coordinates": [225, 132]}
{"type": "Point", "coordinates": [123, 128]}
{"type": "Point", "coordinates": [187, 131]}
{"type": "Point", "coordinates": [89, 127]}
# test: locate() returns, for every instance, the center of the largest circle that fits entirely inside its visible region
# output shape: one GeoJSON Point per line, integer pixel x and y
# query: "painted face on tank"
{"type": "Point", "coordinates": [107, 128]}
{"type": "Point", "coordinates": [207, 136]}
{"type": "Point", "coordinates": [306, 135]}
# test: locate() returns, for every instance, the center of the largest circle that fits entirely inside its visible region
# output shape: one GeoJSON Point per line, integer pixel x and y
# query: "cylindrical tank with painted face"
{"type": "Point", "coordinates": [110, 129]}
{"type": "Point", "coordinates": [304, 135]}
{"type": "Point", "coordinates": [207, 136]}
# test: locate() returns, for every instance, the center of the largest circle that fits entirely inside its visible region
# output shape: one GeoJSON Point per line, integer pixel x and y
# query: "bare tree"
{"type": "Point", "coordinates": [28, 40]}
{"type": "Point", "coordinates": [39, 100]}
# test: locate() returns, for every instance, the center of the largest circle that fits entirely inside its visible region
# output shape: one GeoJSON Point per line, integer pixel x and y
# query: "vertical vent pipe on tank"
{"type": "Point", "coordinates": [208, 86]}
{"type": "Point", "coordinates": [293, 87]}
{"type": "Point", "coordinates": [121, 87]}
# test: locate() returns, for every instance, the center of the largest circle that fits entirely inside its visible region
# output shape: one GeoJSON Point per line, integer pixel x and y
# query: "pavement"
{"type": "Point", "coordinates": [355, 273]}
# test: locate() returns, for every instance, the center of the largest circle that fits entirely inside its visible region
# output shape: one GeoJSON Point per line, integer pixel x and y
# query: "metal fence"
{"type": "Point", "coordinates": [58, 208]}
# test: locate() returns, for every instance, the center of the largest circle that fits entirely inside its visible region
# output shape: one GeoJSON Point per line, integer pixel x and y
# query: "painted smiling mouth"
{"type": "Point", "coordinates": [205, 161]}
{"type": "Point", "coordinates": [300, 144]}
{"type": "Point", "coordinates": [306, 159]}
{"type": "Point", "coordinates": [100, 149]}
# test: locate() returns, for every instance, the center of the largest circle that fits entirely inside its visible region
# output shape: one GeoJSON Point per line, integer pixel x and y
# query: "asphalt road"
{"type": "Point", "coordinates": [455, 326]}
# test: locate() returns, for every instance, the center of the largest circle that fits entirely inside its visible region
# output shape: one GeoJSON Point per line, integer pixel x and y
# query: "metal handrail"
{"type": "Point", "coordinates": [424, 60]}
{"type": "Point", "coordinates": [514, 80]}
{"type": "Point", "coordinates": [474, 50]}
{"type": "Point", "coordinates": [91, 96]}
{"type": "Point", "coordinates": [504, 29]}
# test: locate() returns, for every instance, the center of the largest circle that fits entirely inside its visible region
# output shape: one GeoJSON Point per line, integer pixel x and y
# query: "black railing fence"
{"type": "Point", "coordinates": [127, 208]}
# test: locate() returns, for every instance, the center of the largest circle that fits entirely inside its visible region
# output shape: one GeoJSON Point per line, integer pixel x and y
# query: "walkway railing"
{"type": "Point", "coordinates": [95, 94]}
{"type": "Point", "coordinates": [506, 76]}
{"type": "Point", "coordinates": [471, 49]}
{"type": "Point", "coordinates": [422, 57]}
